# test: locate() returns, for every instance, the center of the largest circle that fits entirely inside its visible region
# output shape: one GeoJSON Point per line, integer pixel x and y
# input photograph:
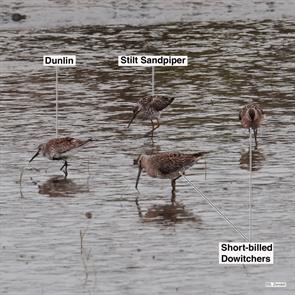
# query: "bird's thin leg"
{"type": "Point", "coordinates": [152, 141]}
{"type": "Point", "coordinates": [158, 124]}
{"type": "Point", "coordinates": [62, 167]}
{"type": "Point", "coordinates": [255, 136]}
{"type": "Point", "coordinates": [173, 183]}
{"type": "Point", "coordinates": [152, 131]}
{"type": "Point", "coordinates": [138, 207]}
{"type": "Point", "coordinates": [173, 197]}
{"type": "Point", "coordinates": [65, 171]}
{"type": "Point", "coordinates": [173, 193]}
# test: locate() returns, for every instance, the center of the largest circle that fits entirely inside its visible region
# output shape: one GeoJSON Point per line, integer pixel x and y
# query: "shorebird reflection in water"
{"type": "Point", "coordinates": [167, 214]}
{"type": "Point", "coordinates": [167, 165]}
{"type": "Point", "coordinates": [258, 158]}
{"type": "Point", "coordinates": [150, 107]}
{"type": "Point", "coordinates": [60, 149]}
{"type": "Point", "coordinates": [251, 116]}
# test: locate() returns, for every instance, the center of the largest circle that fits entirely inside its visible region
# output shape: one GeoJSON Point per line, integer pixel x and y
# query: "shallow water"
{"type": "Point", "coordinates": [234, 57]}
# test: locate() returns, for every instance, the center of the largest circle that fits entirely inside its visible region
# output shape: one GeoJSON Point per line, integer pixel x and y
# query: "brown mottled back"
{"type": "Point", "coordinates": [156, 102]}
{"type": "Point", "coordinates": [251, 115]}
{"type": "Point", "coordinates": [168, 163]}
{"type": "Point", "coordinates": [58, 146]}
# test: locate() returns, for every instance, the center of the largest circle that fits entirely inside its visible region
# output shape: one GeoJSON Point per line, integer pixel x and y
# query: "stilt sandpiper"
{"type": "Point", "coordinates": [167, 165]}
{"type": "Point", "coordinates": [60, 149]}
{"type": "Point", "coordinates": [251, 116]}
{"type": "Point", "coordinates": [150, 107]}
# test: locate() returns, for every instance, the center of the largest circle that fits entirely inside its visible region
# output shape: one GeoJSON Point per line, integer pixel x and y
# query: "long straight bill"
{"type": "Point", "coordinates": [133, 117]}
{"type": "Point", "coordinates": [34, 156]}
{"type": "Point", "coordinates": [138, 176]}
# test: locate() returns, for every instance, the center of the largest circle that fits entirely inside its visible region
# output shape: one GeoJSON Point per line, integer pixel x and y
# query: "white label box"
{"type": "Point", "coordinates": [59, 60]}
{"type": "Point", "coordinates": [152, 61]}
{"type": "Point", "coordinates": [246, 253]}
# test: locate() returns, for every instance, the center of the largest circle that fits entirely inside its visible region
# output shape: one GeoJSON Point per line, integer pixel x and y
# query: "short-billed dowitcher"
{"type": "Point", "coordinates": [167, 165]}
{"type": "Point", "coordinates": [150, 107]}
{"type": "Point", "coordinates": [60, 149]}
{"type": "Point", "coordinates": [251, 116]}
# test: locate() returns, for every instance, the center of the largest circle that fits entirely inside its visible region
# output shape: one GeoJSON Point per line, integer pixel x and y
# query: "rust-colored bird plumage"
{"type": "Point", "coordinates": [167, 165]}
{"type": "Point", "coordinates": [60, 149]}
{"type": "Point", "coordinates": [251, 116]}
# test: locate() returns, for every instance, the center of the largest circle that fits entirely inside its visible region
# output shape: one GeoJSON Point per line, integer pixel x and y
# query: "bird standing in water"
{"type": "Point", "coordinates": [251, 116]}
{"type": "Point", "coordinates": [60, 149]}
{"type": "Point", "coordinates": [167, 165]}
{"type": "Point", "coordinates": [150, 107]}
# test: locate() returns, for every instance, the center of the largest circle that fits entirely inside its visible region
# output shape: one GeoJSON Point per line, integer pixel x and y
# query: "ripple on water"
{"type": "Point", "coordinates": [230, 62]}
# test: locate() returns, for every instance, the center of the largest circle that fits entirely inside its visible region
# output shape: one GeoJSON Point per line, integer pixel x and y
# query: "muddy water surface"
{"type": "Point", "coordinates": [240, 54]}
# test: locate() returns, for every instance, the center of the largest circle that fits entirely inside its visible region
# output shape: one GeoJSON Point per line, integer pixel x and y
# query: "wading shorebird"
{"type": "Point", "coordinates": [60, 149]}
{"type": "Point", "coordinates": [251, 116]}
{"type": "Point", "coordinates": [150, 107]}
{"type": "Point", "coordinates": [167, 165]}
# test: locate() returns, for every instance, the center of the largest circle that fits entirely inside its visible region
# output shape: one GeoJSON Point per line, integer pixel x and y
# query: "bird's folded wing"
{"type": "Point", "coordinates": [68, 143]}
{"type": "Point", "coordinates": [174, 162]}
{"type": "Point", "coordinates": [160, 102]}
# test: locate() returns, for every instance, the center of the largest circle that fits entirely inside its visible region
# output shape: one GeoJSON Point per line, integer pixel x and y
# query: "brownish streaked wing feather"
{"type": "Point", "coordinates": [258, 108]}
{"type": "Point", "coordinates": [156, 102]}
{"type": "Point", "coordinates": [249, 106]}
{"type": "Point", "coordinates": [241, 113]}
{"type": "Point", "coordinates": [65, 144]}
{"type": "Point", "coordinates": [171, 162]}
{"type": "Point", "coordinates": [159, 103]}
{"type": "Point", "coordinates": [145, 101]}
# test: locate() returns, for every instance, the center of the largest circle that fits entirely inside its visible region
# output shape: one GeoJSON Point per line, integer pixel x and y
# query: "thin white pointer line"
{"type": "Point", "coordinates": [56, 101]}
{"type": "Point", "coordinates": [213, 206]}
{"type": "Point", "coordinates": [250, 186]}
{"type": "Point", "coordinates": [153, 80]}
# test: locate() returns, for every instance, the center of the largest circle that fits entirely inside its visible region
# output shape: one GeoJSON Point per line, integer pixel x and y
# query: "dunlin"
{"type": "Point", "coordinates": [60, 149]}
